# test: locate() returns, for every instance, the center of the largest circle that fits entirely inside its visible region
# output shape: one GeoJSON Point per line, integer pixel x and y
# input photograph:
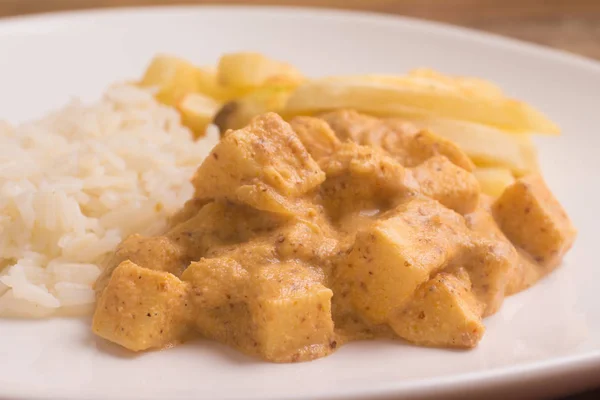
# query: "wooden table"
{"type": "Point", "coordinates": [572, 25]}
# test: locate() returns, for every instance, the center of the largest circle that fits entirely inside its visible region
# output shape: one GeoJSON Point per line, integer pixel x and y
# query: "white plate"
{"type": "Point", "coordinates": [545, 340]}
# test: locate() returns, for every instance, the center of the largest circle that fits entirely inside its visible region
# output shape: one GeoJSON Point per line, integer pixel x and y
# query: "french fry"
{"type": "Point", "coordinates": [209, 85]}
{"type": "Point", "coordinates": [485, 145]}
{"type": "Point", "coordinates": [424, 77]}
{"type": "Point", "coordinates": [402, 97]}
{"type": "Point", "coordinates": [493, 181]}
{"type": "Point", "coordinates": [239, 112]}
{"type": "Point", "coordinates": [173, 77]}
{"type": "Point", "coordinates": [197, 111]}
{"type": "Point", "coordinates": [253, 70]}
{"type": "Point", "coordinates": [468, 85]}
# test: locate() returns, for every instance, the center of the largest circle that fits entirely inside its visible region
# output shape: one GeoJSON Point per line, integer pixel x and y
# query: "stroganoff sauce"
{"type": "Point", "coordinates": [303, 237]}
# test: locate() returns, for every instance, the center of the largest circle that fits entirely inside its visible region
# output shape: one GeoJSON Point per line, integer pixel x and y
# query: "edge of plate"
{"type": "Point", "coordinates": [22, 24]}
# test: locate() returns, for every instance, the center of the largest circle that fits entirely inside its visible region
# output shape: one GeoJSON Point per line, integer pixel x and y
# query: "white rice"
{"type": "Point", "coordinates": [76, 183]}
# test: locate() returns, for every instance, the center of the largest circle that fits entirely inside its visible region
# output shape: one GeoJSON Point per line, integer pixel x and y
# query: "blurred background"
{"type": "Point", "coordinates": [572, 25]}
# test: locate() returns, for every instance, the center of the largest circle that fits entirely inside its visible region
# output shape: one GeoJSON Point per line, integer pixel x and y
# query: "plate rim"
{"type": "Point", "coordinates": [9, 23]}
{"type": "Point", "coordinates": [477, 380]}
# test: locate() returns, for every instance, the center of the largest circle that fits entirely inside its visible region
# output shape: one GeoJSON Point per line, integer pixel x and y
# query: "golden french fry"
{"type": "Point", "coordinates": [173, 77]}
{"type": "Point", "coordinates": [493, 181]}
{"type": "Point", "coordinates": [485, 145]}
{"type": "Point", "coordinates": [239, 112]}
{"type": "Point", "coordinates": [197, 111]}
{"type": "Point", "coordinates": [209, 85]}
{"type": "Point", "coordinates": [252, 70]}
{"type": "Point", "coordinates": [399, 96]}
{"type": "Point", "coordinates": [479, 87]}
{"type": "Point", "coordinates": [424, 77]}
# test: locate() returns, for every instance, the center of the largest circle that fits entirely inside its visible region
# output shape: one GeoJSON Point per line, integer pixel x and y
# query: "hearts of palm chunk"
{"type": "Point", "coordinates": [302, 237]}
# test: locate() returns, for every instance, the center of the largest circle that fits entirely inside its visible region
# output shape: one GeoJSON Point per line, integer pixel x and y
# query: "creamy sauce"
{"type": "Point", "coordinates": [300, 239]}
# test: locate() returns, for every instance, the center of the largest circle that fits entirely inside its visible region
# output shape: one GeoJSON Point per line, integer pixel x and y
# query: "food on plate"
{"type": "Point", "coordinates": [532, 218]}
{"type": "Point", "coordinates": [254, 70]}
{"type": "Point", "coordinates": [76, 183]}
{"type": "Point", "coordinates": [487, 146]}
{"type": "Point", "coordinates": [237, 113]}
{"type": "Point", "coordinates": [493, 130]}
{"type": "Point", "coordinates": [493, 181]}
{"type": "Point", "coordinates": [197, 112]}
{"type": "Point", "coordinates": [328, 210]}
{"type": "Point", "coordinates": [173, 78]}
{"type": "Point", "coordinates": [421, 97]}
{"type": "Point", "coordinates": [242, 86]}
{"type": "Point", "coordinates": [405, 141]}
{"type": "Point", "coordinates": [303, 236]}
